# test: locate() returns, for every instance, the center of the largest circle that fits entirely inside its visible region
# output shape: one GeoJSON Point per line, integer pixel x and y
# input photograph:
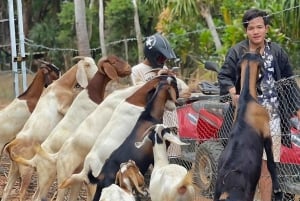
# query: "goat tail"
{"type": "Point", "coordinates": [44, 154]}
{"type": "Point", "coordinates": [24, 161]}
{"type": "Point", "coordinates": [10, 147]}
{"type": "Point", "coordinates": [185, 188]}
{"type": "Point", "coordinates": [74, 178]}
{"type": "Point", "coordinates": [92, 178]}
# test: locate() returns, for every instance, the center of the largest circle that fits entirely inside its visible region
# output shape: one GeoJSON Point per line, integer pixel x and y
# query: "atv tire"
{"type": "Point", "coordinates": [205, 172]}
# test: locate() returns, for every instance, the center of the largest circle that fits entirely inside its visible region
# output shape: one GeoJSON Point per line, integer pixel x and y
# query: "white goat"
{"type": "Point", "coordinates": [110, 68]}
{"type": "Point", "coordinates": [14, 115]}
{"type": "Point", "coordinates": [169, 182]}
{"type": "Point", "coordinates": [128, 178]}
{"type": "Point", "coordinates": [51, 107]}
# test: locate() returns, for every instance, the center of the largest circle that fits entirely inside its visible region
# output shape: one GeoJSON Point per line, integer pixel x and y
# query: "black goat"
{"type": "Point", "coordinates": [165, 96]}
{"type": "Point", "coordinates": [239, 166]}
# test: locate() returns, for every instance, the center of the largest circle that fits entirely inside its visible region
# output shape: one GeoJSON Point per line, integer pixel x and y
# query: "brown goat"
{"type": "Point", "coordinates": [128, 178]}
{"type": "Point", "coordinates": [14, 115]}
{"type": "Point", "coordinates": [239, 166]}
{"type": "Point", "coordinates": [130, 172]}
{"type": "Point", "coordinates": [51, 107]}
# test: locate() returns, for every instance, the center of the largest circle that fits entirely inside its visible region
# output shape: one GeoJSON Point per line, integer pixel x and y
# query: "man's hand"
{"type": "Point", "coordinates": [234, 96]}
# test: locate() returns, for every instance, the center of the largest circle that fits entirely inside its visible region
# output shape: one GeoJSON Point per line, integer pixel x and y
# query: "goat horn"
{"type": "Point", "coordinates": [173, 138]}
{"type": "Point", "coordinates": [78, 58]}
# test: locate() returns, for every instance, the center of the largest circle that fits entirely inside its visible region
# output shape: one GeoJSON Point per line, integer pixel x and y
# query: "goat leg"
{"type": "Point", "coordinates": [272, 169]}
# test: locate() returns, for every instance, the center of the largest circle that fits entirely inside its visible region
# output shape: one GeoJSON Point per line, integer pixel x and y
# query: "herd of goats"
{"type": "Point", "coordinates": [67, 130]}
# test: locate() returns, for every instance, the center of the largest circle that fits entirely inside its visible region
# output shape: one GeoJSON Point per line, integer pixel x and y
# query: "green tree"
{"type": "Point", "coordinates": [119, 26]}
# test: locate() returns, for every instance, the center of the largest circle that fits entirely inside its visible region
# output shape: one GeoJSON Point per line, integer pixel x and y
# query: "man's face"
{"type": "Point", "coordinates": [161, 60]}
{"type": "Point", "coordinates": [256, 31]}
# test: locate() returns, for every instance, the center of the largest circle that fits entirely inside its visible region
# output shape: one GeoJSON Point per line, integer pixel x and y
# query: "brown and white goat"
{"type": "Point", "coordinates": [168, 182]}
{"type": "Point", "coordinates": [51, 107]}
{"type": "Point", "coordinates": [110, 136]}
{"type": "Point", "coordinates": [14, 115]}
{"type": "Point", "coordinates": [164, 96]}
{"type": "Point", "coordinates": [128, 180]}
{"type": "Point", "coordinates": [109, 68]}
{"type": "Point", "coordinates": [239, 166]}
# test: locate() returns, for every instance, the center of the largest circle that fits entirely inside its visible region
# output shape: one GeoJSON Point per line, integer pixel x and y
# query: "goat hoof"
{"type": "Point", "coordinates": [278, 195]}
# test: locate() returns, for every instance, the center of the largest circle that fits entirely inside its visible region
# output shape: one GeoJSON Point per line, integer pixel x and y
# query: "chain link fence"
{"type": "Point", "coordinates": [206, 124]}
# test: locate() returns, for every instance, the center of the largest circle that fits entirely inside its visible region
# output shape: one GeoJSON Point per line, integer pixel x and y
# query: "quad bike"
{"type": "Point", "coordinates": [199, 122]}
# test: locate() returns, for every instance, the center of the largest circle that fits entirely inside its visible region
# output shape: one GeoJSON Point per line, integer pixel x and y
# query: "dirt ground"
{"type": "Point", "coordinates": [4, 169]}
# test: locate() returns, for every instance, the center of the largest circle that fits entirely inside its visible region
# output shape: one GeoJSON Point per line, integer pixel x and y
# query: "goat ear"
{"type": "Point", "coordinates": [110, 71]}
{"type": "Point", "coordinates": [133, 176]}
{"type": "Point", "coordinates": [81, 76]}
{"type": "Point", "coordinates": [172, 93]}
{"type": "Point", "coordinates": [174, 139]}
{"type": "Point", "coordinates": [159, 127]}
{"type": "Point", "coordinates": [117, 179]}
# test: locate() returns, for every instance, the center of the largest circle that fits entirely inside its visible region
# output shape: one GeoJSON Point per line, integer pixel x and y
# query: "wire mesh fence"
{"type": "Point", "coordinates": [206, 124]}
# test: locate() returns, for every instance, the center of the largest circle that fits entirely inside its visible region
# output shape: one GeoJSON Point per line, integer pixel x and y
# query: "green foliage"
{"type": "Point", "coordinates": [67, 35]}
{"type": "Point", "coordinates": [44, 33]}
{"type": "Point", "coordinates": [93, 20]}
{"type": "Point", "coordinates": [232, 34]}
{"type": "Point", "coordinates": [187, 31]}
{"type": "Point", "coordinates": [120, 25]}
{"type": "Point", "coordinates": [119, 18]}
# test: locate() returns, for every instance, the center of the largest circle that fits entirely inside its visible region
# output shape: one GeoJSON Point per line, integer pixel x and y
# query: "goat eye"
{"type": "Point", "coordinates": [77, 86]}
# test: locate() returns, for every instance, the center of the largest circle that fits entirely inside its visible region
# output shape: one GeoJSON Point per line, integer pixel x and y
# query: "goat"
{"type": "Point", "coordinates": [168, 182]}
{"type": "Point", "coordinates": [51, 107]}
{"type": "Point", "coordinates": [128, 178]}
{"type": "Point", "coordinates": [239, 165]}
{"type": "Point", "coordinates": [109, 68]}
{"type": "Point", "coordinates": [14, 115]}
{"type": "Point", "coordinates": [164, 97]}
{"type": "Point", "coordinates": [125, 116]}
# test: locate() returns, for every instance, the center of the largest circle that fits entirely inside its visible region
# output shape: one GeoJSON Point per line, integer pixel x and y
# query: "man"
{"type": "Point", "coordinates": [277, 66]}
{"type": "Point", "coordinates": [157, 51]}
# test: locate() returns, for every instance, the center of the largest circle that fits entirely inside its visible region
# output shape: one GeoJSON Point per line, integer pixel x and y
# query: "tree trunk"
{"type": "Point", "coordinates": [101, 28]}
{"type": "Point", "coordinates": [81, 29]}
{"type": "Point", "coordinates": [90, 25]}
{"type": "Point", "coordinates": [138, 31]}
{"type": "Point", "coordinates": [205, 12]}
{"type": "Point", "coordinates": [27, 16]}
{"type": "Point", "coordinates": [126, 49]}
